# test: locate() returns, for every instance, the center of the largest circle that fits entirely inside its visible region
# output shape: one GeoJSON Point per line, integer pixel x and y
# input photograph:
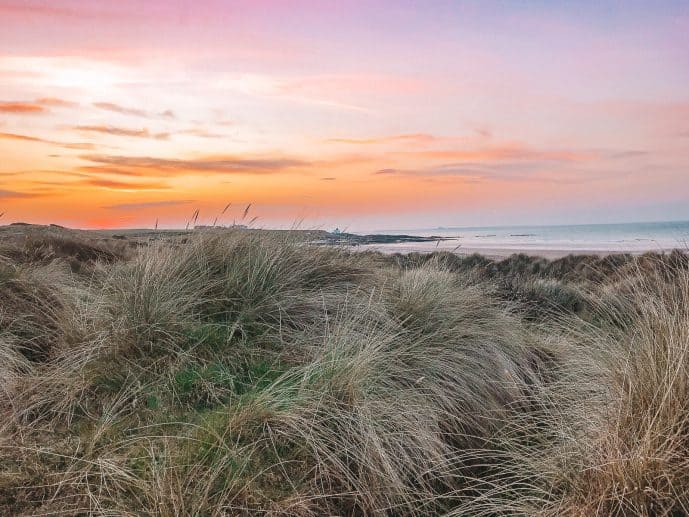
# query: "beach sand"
{"type": "Point", "coordinates": [501, 253]}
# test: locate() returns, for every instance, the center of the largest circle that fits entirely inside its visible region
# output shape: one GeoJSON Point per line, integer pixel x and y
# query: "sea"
{"type": "Point", "coordinates": [552, 240]}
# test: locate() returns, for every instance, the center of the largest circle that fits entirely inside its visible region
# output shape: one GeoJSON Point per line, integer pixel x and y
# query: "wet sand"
{"type": "Point", "coordinates": [501, 253]}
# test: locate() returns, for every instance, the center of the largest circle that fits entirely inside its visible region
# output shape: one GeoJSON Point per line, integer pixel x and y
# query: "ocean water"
{"type": "Point", "coordinates": [624, 237]}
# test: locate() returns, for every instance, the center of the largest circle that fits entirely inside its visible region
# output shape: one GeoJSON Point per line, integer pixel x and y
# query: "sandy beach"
{"type": "Point", "coordinates": [547, 241]}
{"type": "Point", "coordinates": [501, 253]}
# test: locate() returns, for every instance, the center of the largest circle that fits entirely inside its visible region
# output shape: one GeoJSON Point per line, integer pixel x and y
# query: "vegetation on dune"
{"type": "Point", "coordinates": [241, 373]}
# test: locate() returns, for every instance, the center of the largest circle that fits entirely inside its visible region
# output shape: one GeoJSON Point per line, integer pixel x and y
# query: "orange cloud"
{"type": "Point", "coordinates": [83, 146]}
{"type": "Point", "coordinates": [26, 138]}
{"type": "Point", "coordinates": [21, 107]}
{"type": "Point", "coordinates": [121, 185]}
{"type": "Point", "coordinates": [53, 101]}
{"type": "Point", "coordinates": [118, 131]}
{"type": "Point", "coordinates": [87, 181]}
{"type": "Point", "coordinates": [222, 164]}
{"type": "Point", "coordinates": [11, 194]}
{"type": "Point", "coordinates": [114, 171]}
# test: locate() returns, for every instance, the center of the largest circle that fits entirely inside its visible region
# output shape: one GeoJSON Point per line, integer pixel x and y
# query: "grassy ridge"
{"type": "Point", "coordinates": [246, 373]}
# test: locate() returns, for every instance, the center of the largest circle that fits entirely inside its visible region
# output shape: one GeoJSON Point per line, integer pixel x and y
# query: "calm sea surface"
{"type": "Point", "coordinates": [632, 237]}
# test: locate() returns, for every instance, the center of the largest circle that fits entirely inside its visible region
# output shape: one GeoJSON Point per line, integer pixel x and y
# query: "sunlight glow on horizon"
{"type": "Point", "coordinates": [364, 115]}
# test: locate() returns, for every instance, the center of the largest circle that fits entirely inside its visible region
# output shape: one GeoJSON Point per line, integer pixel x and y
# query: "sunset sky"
{"type": "Point", "coordinates": [363, 115]}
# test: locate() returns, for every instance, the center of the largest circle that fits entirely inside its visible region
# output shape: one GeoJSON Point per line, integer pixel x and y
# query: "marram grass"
{"type": "Point", "coordinates": [248, 373]}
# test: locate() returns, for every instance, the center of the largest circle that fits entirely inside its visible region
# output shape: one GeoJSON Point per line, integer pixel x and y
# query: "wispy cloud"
{"type": "Point", "coordinates": [11, 194]}
{"type": "Point", "coordinates": [201, 133]}
{"type": "Point", "coordinates": [67, 145]}
{"type": "Point", "coordinates": [118, 131]}
{"type": "Point", "coordinates": [529, 171]}
{"type": "Point", "coordinates": [112, 171]}
{"type": "Point", "coordinates": [35, 107]}
{"type": "Point", "coordinates": [54, 101]}
{"type": "Point", "coordinates": [149, 204]}
{"type": "Point", "coordinates": [135, 112]}
{"type": "Point", "coordinates": [422, 138]}
{"type": "Point", "coordinates": [621, 155]}
{"type": "Point", "coordinates": [503, 159]}
{"type": "Point", "coordinates": [503, 152]}
{"type": "Point", "coordinates": [110, 106]}
{"type": "Point", "coordinates": [44, 172]}
{"type": "Point", "coordinates": [224, 164]}
{"type": "Point", "coordinates": [25, 138]}
{"type": "Point", "coordinates": [121, 185]}
{"type": "Point", "coordinates": [448, 170]}
{"type": "Point", "coordinates": [19, 107]}
{"type": "Point", "coordinates": [82, 146]}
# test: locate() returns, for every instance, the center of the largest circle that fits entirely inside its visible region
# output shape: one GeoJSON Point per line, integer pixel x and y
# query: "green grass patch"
{"type": "Point", "coordinates": [215, 336]}
{"type": "Point", "coordinates": [217, 383]}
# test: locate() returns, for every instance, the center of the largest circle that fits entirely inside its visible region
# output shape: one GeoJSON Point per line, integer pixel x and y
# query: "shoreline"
{"type": "Point", "coordinates": [382, 243]}
{"type": "Point", "coordinates": [502, 253]}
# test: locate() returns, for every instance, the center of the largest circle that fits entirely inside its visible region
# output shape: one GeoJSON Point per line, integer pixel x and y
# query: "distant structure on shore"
{"type": "Point", "coordinates": [211, 227]}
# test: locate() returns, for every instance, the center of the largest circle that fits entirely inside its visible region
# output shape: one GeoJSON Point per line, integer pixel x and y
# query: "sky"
{"type": "Point", "coordinates": [372, 115]}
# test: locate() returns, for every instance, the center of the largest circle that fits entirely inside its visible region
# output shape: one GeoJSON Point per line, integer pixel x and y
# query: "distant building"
{"type": "Point", "coordinates": [209, 227]}
{"type": "Point", "coordinates": [337, 231]}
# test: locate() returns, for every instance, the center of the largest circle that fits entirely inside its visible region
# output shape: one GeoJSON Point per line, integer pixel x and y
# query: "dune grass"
{"type": "Point", "coordinates": [248, 373]}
